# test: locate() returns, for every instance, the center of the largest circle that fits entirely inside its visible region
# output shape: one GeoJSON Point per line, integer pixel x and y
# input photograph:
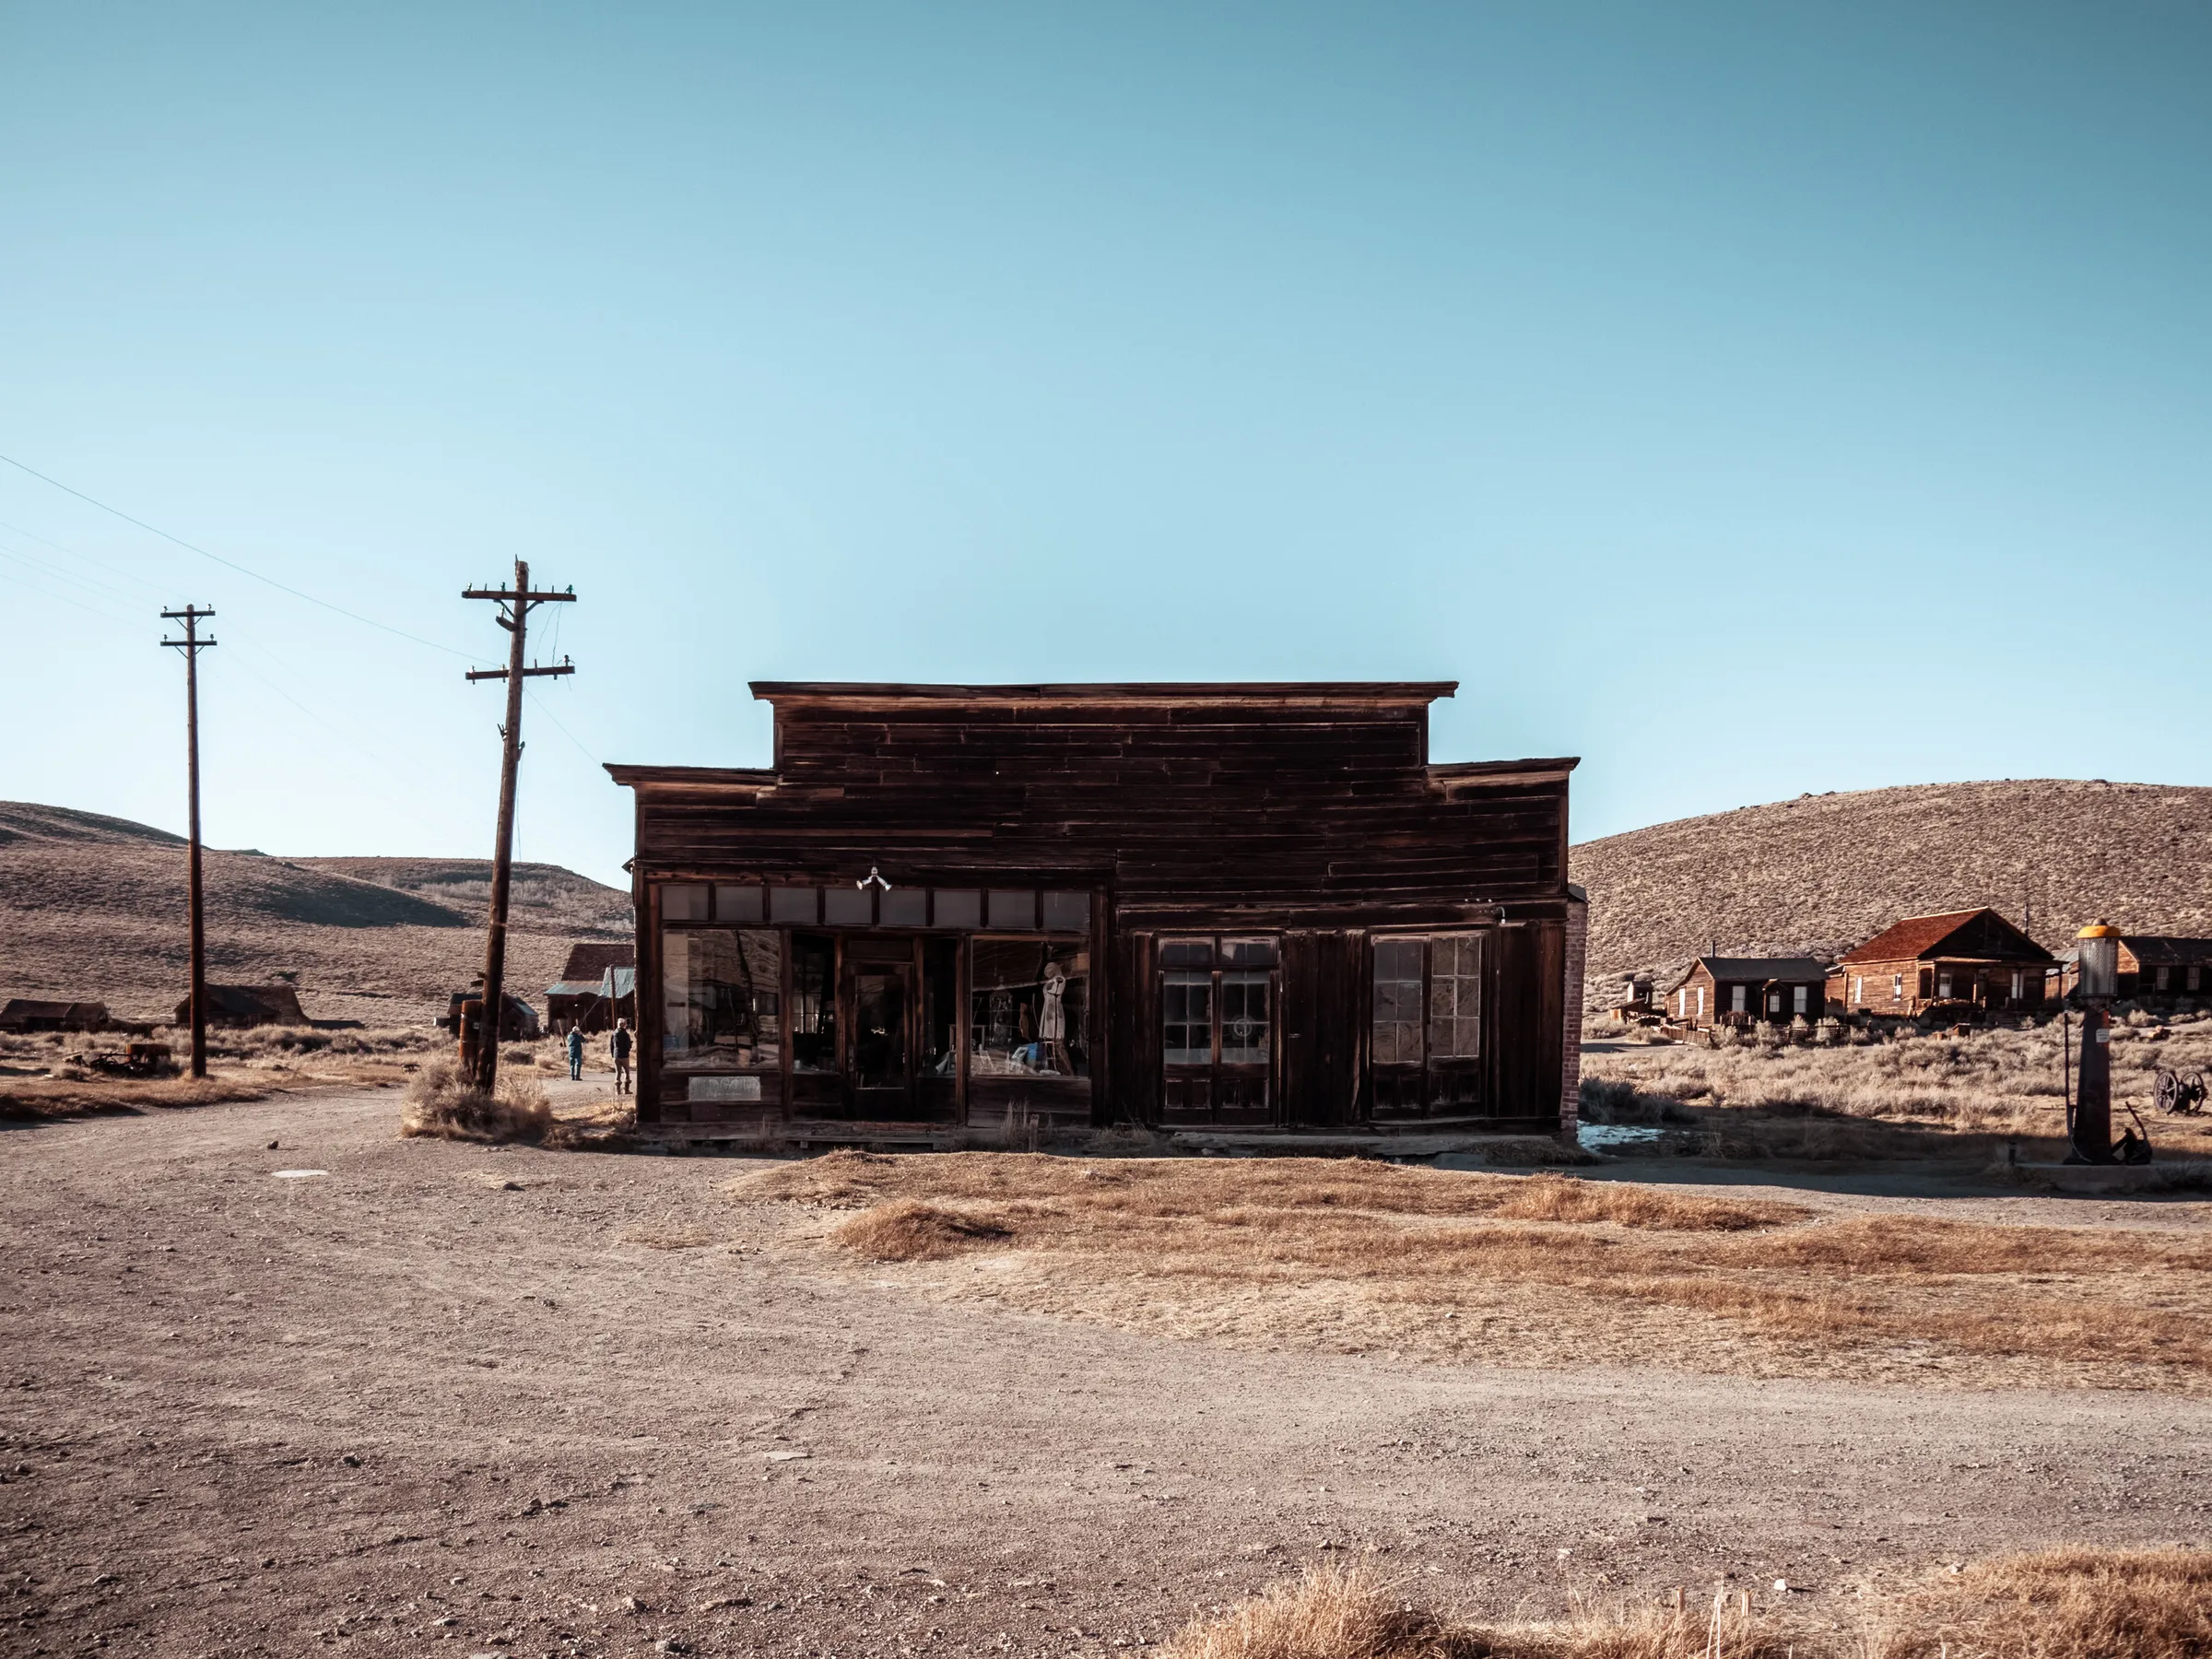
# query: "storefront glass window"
{"type": "Point", "coordinates": [721, 1000]}
{"type": "Point", "coordinates": [1028, 1008]}
{"type": "Point", "coordinates": [960, 906]}
{"type": "Point", "coordinates": [813, 1003]}
{"type": "Point", "coordinates": [683, 903]}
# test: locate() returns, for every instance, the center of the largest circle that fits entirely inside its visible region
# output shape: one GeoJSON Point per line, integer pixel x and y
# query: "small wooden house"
{"type": "Point", "coordinates": [1717, 990]}
{"type": "Point", "coordinates": [1971, 957]}
{"type": "Point", "coordinates": [1256, 908]}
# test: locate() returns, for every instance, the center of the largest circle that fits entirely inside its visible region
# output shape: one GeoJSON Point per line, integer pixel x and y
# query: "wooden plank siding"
{"type": "Point", "coordinates": [1309, 814]}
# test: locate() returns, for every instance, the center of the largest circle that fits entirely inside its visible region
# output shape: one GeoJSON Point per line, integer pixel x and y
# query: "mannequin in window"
{"type": "Point", "coordinates": [1052, 1025]}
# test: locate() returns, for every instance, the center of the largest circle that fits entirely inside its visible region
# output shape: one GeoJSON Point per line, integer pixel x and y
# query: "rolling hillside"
{"type": "Point", "coordinates": [94, 907]}
{"type": "Point", "coordinates": [1822, 873]}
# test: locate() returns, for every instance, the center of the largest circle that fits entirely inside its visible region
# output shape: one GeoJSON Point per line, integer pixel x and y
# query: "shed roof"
{"type": "Point", "coordinates": [1757, 969]}
{"type": "Point", "coordinates": [590, 959]}
{"type": "Point", "coordinates": [1189, 691]}
{"type": "Point", "coordinates": [2167, 950]}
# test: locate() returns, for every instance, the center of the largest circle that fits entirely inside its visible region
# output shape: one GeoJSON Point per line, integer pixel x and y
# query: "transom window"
{"type": "Point", "coordinates": [1020, 910]}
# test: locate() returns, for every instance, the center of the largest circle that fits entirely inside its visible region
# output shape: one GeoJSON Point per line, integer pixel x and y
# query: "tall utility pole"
{"type": "Point", "coordinates": [514, 617]}
{"type": "Point", "coordinates": [192, 615]}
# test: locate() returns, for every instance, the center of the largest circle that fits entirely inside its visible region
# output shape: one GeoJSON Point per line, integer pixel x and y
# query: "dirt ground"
{"type": "Point", "coordinates": [454, 1399]}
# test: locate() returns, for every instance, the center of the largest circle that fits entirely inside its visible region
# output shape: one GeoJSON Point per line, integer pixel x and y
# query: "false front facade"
{"type": "Point", "coordinates": [1241, 907]}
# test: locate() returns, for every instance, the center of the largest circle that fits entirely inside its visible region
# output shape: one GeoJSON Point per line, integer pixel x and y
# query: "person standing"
{"type": "Point", "coordinates": [575, 1052]}
{"type": "Point", "coordinates": [619, 1042]}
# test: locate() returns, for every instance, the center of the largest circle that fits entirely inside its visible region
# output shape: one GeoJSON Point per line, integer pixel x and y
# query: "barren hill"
{"type": "Point", "coordinates": [1822, 873]}
{"type": "Point", "coordinates": [94, 907]}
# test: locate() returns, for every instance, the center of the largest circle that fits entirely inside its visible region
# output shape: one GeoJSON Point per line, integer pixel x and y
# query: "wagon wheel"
{"type": "Point", "coordinates": [2169, 1091]}
{"type": "Point", "coordinates": [2192, 1092]}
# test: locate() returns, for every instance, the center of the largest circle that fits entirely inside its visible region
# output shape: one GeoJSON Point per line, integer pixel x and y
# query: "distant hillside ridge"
{"type": "Point", "coordinates": [1821, 874]}
{"type": "Point", "coordinates": [93, 907]}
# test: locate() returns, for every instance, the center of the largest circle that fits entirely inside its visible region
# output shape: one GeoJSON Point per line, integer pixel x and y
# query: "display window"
{"type": "Point", "coordinates": [722, 999]}
{"type": "Point", "coordinates": [1028, 1008]}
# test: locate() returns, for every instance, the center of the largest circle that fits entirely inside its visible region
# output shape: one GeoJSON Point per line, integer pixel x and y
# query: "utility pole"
{"type": "Point", "coordinates": [514, 617]}
{"type": "Point", "coordinates": [192, 645]}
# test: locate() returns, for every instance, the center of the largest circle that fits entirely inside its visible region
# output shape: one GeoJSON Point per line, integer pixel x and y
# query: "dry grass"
{"type": "Point", "coordinates": [2078, 1602]}
{"type": "Point", "coordinates": [1538, 1270]}
{"type": "Point", "coordinates": [54, 1075]}
{"type": "Point", "coordinates": [440, 1103]}
{"type": "Point", "coordinates": [1860, 1095]}
{"type": "Point", "coordinates": [906, 1230]}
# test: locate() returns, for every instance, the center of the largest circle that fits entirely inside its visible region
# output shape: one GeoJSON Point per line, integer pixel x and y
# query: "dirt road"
{"type": "Point", "coordinates": [445, 1398]}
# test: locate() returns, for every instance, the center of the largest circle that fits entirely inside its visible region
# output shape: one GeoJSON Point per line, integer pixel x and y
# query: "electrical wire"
{"type": "Point", "coordinates": [234, 565]}
{"type": "Point", "coordinates": [547, 711]}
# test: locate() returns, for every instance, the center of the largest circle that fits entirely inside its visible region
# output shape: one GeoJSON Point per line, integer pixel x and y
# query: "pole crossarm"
{"type": "Point", "coordinates": [564, 666]}
{"type": "Point", "coordinates": [527, 598]}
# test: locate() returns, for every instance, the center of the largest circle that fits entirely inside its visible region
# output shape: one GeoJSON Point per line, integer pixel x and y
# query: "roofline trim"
{"type": "Point", "coordinates": [1190, 691]}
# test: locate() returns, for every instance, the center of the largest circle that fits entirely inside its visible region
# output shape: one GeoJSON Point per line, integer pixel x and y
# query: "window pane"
{"type": "Point", "coordinates": [738, 903]}
{"type": "Point", "coordinates": [904, 907]}
{"type": "Point", "coordinates": [792, 905]}
{"type": "Point", "coordinates": [1396, 1039]}
{"type": "Point", "coordinates": [1186, 953]}
{"type": "Point", "coordinates": [1245, 1024]}
{"type": "Point", "coordinates": [1456, 997]}
{"type": "Point", "coordinates": [1028, 1008]}
{"type": "Point", "coordinates": [1186, 1018]}
{"type": "Point", "coordinates": [960, 906]}
{"type": "Point", "coordinates": [813, 1003]}
{"type": "Point", "coordinates": [1068, 912]}
{"type": "Point", "coordinates": [1249, 953]}
{"type": "Point", "coordinates": [683, 904]}
{"type": "Point", "coordinates": [848, 907]}
{"type": "Point", "coordinates": [1010, 909]}
{"type": "Point", "coordinates": [721, 1000]}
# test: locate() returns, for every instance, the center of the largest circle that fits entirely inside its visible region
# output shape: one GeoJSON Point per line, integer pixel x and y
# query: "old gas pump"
{"type": "Point", "coordinates": [2090, 1126]}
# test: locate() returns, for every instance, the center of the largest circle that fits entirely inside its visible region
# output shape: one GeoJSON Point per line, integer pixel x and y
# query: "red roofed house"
{"type": "Point", "coordinates": [1972, 957]}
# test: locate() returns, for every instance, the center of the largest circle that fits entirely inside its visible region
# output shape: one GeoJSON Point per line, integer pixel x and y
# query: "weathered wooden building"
{"type": "Point", "coordinates": [1229, 907]}
{"type": "Point", "coordinates": [597, 986]}
{"type": "Point", "coordinates": [1962, 958]}
{"type": "Point", "coordinates": [1716, 990]}
{"type": "Point", "coordinates": [2151, 965]}
{"type": "Point", "coordinates": [244, 1006]}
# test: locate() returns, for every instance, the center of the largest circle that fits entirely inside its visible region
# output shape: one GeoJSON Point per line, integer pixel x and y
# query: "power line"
{"type": "Point", "coordinates": [230, 563]}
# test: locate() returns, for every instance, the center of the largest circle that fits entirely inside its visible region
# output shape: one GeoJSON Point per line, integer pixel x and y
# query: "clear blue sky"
{"type": "Point", "coordinates": [1749, 399]}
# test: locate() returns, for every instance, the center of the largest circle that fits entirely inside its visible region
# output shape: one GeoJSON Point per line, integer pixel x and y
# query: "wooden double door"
{"type": "Point", "coordinates": [896, 1030]}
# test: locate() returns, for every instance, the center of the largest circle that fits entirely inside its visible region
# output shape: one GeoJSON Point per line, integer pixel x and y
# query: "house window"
{"type": "Point", "coordinates": [2164, 981]}
{"type": "Point", "coordinates": [721, 1000]}
{"type": "Point", "coordinates": [683, 903]}
{"type": "Point", "coordinates": [1681, 1004]}
{"type": "Point", "coordinates": [737, 903]}
{"type": "Point", "coordinates": [1800, 999]}
{"type": "Point", "coordinates": [1858, 990]}
{"type": "Point", "coordinates": [1397, 1002]}
{"type": "Point", "coordinates": [1897, 987]}
{"type": "Point", "coordinates": [2019, 985]}
{"type": "Point", "coordinates": [1700, 1002]}
{"type": "Point", "coordinates": [1736, 998]}
{"type": "Point", "coordinates": [1456, 997]}
{"type": "Point", "coordinates": [2196, 981]}
{"type": "Point", "coordinates": [1774, 1002]}
{"type": "Point", "coordinates": [1943, 986]}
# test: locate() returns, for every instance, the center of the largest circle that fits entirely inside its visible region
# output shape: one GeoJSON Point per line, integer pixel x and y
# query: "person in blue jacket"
{"type": "Point", "coordinates": [575, 1052]}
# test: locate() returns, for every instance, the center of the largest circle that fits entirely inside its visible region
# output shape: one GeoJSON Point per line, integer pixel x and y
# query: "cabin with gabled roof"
{"type": "Point", "coordinates": [1253, 907]}
{"type": "Point", "coordinates": [1747, 991]}
{"type": "Point", "coordinates": [1972, 959]}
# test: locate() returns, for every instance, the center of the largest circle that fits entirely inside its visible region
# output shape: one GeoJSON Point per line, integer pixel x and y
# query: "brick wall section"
{"type": "Point", "coordinates": [1571, 1069]}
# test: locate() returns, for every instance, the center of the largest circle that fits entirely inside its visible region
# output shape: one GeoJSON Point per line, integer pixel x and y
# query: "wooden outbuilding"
{"type": "Point", "coordinates": [29, 1014]}
{"type": "Point", "coordinates": [1255, 908]}
{"type": "Point", "coordinates": [1961, 960]}
{"type": "Point", "coordinates": [2152, 965]}
{"type": "Point", "coordinates": [1743, 990]}
{"type": "Point", "coordinates": [248, 1006]}
{"type": "Point", "coordinates": [597, 986]}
